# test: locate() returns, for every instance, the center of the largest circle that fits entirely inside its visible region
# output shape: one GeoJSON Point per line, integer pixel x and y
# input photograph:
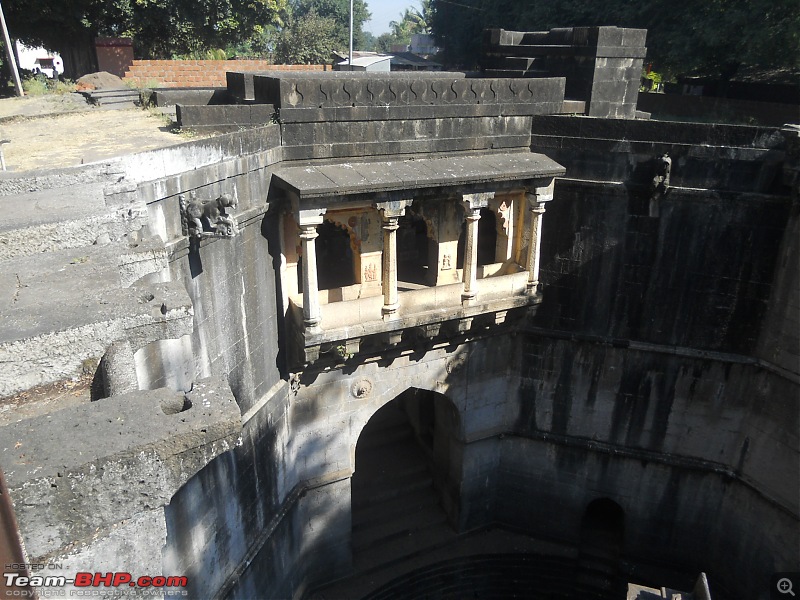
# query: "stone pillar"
{"type": "Point", "coordinates": [389, 271]}
{"type": "Point", "coordinates": [391, 211]}
{"type": "Point", "coordinates": [471, 255]}
{"type": "Point", "coordinates": [308, 221]}
{"type": "Point", "coordinates": [473, 203]}
{"type": "Point", "coordinates": [311, 311]}
{"type": "Point", "coordinates": [536, 201]}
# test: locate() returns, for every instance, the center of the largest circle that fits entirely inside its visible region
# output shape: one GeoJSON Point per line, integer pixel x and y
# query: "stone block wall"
{"type": "Point", "coordinates": [199, 73]}
{"type": "Point", "coordinates": [697, 273]}
{"type": "Point", "coordinates": [329, 117]}
{"type": "Point", "coordinates": [602, 65]}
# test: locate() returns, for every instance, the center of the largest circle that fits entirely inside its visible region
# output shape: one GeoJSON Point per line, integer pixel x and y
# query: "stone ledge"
{"type": "Point", "coordinates": [86, 468]}
{"type": "Point", "coordinates": [408, 176]}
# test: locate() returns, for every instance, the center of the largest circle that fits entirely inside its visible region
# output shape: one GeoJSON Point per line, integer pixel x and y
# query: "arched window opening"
{"type": "Point", "coordinates": [413, 250]}
{"type": "Point", "coordinates": [335, 268]}
{"type": "Point", "coordinates": [487, 237]}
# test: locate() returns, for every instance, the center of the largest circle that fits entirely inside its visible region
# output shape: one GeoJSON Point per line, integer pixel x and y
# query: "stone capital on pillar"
{"type": "Point", "coordinates": [540, 194]}
{"type": "Point", "coordinates": [393, 208]}
{"type": "Point", "coordinates": [475, 202]}
{"type": "Point", "coordinates": [306, 217]}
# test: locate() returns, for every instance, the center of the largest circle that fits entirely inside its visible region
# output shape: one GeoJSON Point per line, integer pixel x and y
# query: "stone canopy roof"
{"type": "Point", "coordinates": [415, 175]}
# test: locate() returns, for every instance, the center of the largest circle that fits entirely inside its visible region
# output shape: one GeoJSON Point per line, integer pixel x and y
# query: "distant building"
{"type": "Point", "coordinates": [408, 61]}
{"type": "Point", "coordinates": [39, 60]}
{"type": "Point", "coordinates": [423, 43]}
{"type": "Point", "coordinates": [362, 61]}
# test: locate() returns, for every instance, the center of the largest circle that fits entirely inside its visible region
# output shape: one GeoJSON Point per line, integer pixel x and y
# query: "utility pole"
{"type": "Point", "coordinates": [13, 62]}
{"type": "Point", "coordinates": [351, 35]}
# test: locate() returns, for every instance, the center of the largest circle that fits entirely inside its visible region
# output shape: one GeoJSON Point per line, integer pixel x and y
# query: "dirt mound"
{"type": "Point", "coordinates": [101, 80]}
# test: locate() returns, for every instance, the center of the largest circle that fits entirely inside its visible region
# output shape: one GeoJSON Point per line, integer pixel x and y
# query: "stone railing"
{"type": "Point", "coordinates": [427, 312]}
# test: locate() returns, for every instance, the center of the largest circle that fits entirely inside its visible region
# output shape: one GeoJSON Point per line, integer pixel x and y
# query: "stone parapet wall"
{"type": "Point", "coordinates": [315, 99]}
{"type": "Point", "coordinates": [733, 158]}
{"type": "Point", "coordinates": [199, 73]}
{"type": "Point", "coordinates": [334, 116]}
{"type": "Point", "coordinates": [706, 109]}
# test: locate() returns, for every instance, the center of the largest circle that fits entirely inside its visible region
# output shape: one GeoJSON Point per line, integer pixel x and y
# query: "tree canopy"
{"type": "Point", "coordinates": [339, 12]}
{"type": "Point", "coordinates": [159, 28]}
{"type": "Point", "coordinates": [309, 39]}
{"type": "Point", "coordinates": [713, 37]}
{"type": "Point", "coordinates": [411, 21]}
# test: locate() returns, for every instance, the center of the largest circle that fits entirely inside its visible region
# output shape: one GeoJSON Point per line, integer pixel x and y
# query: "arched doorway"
{"type": "Point", "coordinates": [487, 239]}
{"type": "Point", "coordinates": [335, 267]}
{"type": "Point", "coordinates": [602, 537]}
{"type": "Point", "coordinates": [405, 487]}
{"type": "Point", "coordinates": [413, 250]}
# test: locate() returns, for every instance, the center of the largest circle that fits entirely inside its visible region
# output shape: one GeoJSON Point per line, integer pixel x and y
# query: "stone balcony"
{"type": "Point", "coordinates": [423, 313]}
{"type": "Point", "coordinates": [360, 291]}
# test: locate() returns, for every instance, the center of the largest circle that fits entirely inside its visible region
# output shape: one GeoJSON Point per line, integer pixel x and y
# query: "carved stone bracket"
{"type": "Point", "coordinates": [202, 219]}
{"type": "Point", "coordinates": [662, 169]}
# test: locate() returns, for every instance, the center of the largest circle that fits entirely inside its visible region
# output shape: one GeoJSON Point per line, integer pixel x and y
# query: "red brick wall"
{"type": "Point", "coordinates": [200, 73]}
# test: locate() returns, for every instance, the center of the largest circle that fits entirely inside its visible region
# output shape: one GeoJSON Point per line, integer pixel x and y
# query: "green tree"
{"type": "Point", "coordinates": [411, 21]}
{"type": "Point", "coordinates": [339, 11]}
{"type": "Point", "coordinates": [159, 28]}
{"type": "Point", "coordinates": [306, 40]}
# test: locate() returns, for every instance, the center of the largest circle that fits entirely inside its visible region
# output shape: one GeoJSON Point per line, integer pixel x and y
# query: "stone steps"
{"type": "Point", "coordinates": [114, 99]}
{"type": "Point", "coordinates": [415, 500]}
{"type": "Point", "coordinates": [62, 309]}
{"type": "Point", "coordinates": [487, 577]}
{"type": "Point", "coordinates": [396, 510]}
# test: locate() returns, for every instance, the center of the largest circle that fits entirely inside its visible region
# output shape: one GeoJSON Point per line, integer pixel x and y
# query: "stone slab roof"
{"type": "Point", "coordinates": [356, 178]}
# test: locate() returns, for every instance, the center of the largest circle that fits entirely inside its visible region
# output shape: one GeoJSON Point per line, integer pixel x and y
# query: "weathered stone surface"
{"type": "Point", "coordinates": [602, 65]}
{"type": "Point", "coordinates": [324, 99]}
{"type": "Point", "coordinates": [660, 373]}
{"type": "Point", "coordinates": [414, 176]}
{"type": "Point", "coordinates": [96, 465]}
{"type": "Point", "coordinates": [50, 325]}
{"type": "Point", "coordinates": [193, 97]}
{"type": "Point", "coordinates": [733, 159]}
{"type": "Point", "coordinates": [230, 117]}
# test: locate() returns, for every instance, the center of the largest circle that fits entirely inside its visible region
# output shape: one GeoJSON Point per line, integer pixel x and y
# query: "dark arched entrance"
{"type": "Point", "coordinates": [413, 250]}
{"type": "Point", "coordinates": [487, 239]}
{"type": "Point", "coordinates": [335, 267]}
{"type": "Point", "coordinates": [602, 537]}
{"type": "Point", "coordinates": [404, 489]}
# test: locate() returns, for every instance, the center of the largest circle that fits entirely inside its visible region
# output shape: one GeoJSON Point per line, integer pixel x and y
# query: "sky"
{"type": "Point", "coordinates": [384, 11]}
